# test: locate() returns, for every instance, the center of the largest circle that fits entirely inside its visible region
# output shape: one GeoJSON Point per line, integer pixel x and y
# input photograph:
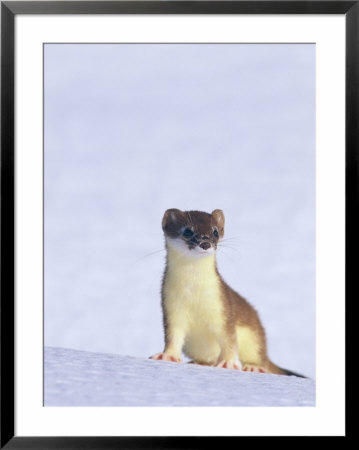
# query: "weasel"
{"type": "Point", "coordinates": [202, 316]}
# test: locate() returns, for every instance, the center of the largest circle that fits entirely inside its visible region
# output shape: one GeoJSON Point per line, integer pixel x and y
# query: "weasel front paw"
{"type": "Point", "coordinates": [228, 365]}
{"type": "Point", "coordinates": [165, 357]}
{"type": "Point", "coordinates": [253, 368]}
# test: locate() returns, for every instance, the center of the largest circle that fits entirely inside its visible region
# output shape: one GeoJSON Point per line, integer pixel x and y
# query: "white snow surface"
{"type": "Point", "coordinates": [131, 130]}
{"type": "Point", "coordinates": [78, 378]}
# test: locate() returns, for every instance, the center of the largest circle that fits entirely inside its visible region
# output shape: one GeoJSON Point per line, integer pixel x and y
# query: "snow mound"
{"type": "Point", "coordinates": [79, 378]}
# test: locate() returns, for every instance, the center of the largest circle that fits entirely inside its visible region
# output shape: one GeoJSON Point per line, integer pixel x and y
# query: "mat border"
{"type": "Point", "coordinates": [9, 9]}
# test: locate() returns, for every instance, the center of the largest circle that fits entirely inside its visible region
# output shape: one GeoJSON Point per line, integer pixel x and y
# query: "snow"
{"type": "Point", "coordinates": [131, 130]}
{"type": "Point", "coordinates": [78, 378]}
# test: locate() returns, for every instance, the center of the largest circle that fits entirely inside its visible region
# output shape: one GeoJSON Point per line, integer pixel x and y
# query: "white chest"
{"type": "Point", "coordinates": [192, 296]}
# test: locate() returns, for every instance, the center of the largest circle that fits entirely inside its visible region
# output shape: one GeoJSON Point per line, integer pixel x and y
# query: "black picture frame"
{"type": "Point", "coordinates": [9, 10]}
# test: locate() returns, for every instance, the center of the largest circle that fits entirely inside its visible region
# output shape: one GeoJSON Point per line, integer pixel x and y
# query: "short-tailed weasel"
{"type": "Point", "coordinates": [203, 317]}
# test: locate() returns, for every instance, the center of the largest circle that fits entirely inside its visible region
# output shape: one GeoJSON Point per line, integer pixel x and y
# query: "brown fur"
{"type": "Point", "coordinates": [241, 313]}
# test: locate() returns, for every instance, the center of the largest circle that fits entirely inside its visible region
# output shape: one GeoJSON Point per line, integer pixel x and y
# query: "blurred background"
{"type": "Point", "coordinates": [134, 129]}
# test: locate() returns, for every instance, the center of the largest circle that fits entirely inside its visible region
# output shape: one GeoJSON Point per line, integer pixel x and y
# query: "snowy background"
{"type": "Point", "coordinates": [131, 130]}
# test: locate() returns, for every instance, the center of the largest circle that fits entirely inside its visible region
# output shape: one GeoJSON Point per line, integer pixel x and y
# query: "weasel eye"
{"type": "Point", "coordinates": [187, 232]}
{"type": "Point", "coordinates": [215, 233]}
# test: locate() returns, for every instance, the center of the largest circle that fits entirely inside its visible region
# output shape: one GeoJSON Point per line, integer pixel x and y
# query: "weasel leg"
{"type": "Point", "coordinates": [228, 355]}
{"type": "Point", "coordinates": [252, 350]}
{"type": "Point", "coordinates": [254, 368]}
{"type": "Point", "coordinates": [166, 357]}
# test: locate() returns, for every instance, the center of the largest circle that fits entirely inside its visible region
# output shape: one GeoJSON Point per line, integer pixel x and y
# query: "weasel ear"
{"type": "Point", "coordinates": [171, 219]}
{"type": "Point", "coordinates": [218, 216]}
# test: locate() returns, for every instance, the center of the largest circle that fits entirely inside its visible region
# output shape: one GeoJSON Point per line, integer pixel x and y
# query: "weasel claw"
{"type": "Point", "coordinates": [228, 365]}
{"type": "Point", "coordinates": [253, 368]}
{"type": "Point", "coordinates": [165, 357]}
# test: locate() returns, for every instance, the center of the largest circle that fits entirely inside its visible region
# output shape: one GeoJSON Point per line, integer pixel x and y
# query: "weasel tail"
{"type": "Point", "coordinates": [203, 316]}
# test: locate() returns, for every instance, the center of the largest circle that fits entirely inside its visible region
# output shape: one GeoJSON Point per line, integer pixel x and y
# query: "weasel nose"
{"type": "Point", "coordinates": [205, 245]}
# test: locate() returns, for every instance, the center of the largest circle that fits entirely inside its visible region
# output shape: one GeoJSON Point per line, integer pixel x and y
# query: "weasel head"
{"type": "Point", "coordinates": [193, 233]}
